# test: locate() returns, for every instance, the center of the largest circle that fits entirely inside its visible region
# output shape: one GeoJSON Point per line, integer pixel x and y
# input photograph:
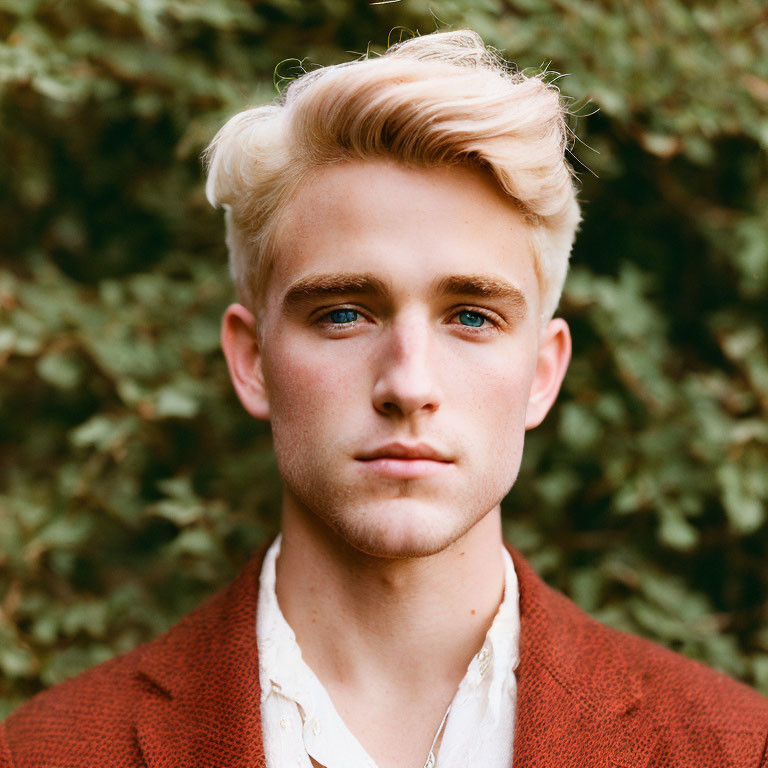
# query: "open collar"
{"type": "Point", "coordinates": [577, 703]}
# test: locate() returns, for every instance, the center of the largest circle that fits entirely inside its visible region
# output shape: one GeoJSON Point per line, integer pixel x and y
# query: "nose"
{"type": "Point", "coordinates": [407, 376]}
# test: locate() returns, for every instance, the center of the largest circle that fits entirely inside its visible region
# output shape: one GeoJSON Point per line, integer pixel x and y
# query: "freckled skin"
{"type": "Point", "coordinates": [409, 368]}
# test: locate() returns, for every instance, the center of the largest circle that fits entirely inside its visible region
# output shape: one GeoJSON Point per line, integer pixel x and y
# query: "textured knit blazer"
{"type": "Point", "coordinates": [588, 697]}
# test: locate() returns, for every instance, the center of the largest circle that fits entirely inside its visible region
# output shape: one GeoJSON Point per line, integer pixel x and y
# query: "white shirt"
{"type": "Point", "coordinates": [299, 720]}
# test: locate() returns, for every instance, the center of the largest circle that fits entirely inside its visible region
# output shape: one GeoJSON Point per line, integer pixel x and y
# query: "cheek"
{"type": "Point", "coordinates": [308, 381]}
{"type": "Point", "coordinates": [497, 398]}
{"type": "Point", "coordinates": [498, 389]}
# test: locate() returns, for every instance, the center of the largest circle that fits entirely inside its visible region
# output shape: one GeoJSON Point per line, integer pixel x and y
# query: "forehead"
{"type": "Point", "coordinates": [411, 226]}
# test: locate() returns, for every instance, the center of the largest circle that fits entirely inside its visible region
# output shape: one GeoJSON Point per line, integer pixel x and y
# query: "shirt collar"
{"type": "Point", "coordinates": [482, 699]}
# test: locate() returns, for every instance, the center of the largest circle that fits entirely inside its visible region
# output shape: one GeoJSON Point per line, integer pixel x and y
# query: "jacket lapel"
{"type": "Point", "coordinates": [578, 700]}
{"type": "Point", "coordinates": [200, 694]}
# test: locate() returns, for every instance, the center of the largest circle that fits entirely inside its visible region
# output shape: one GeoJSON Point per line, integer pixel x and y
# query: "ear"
{"type": "Point", "coordinates": [552, 363]}
{"type": "Point", "coordinates": [240, 341]}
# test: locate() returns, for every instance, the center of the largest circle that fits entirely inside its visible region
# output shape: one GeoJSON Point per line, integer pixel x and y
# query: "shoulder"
{"type": "Point", "coordinates": [78, 719]}
{"type": "Point", "coordinates": [693, 711]}
{"type": "Point", "coordinates": [677, 710]}
{"type": "Point", "coordinates": [92, 719]}
{"type": "Point", "coordinates": [685, 689]}
{"type": "Point", "coordinates": [671, 683]}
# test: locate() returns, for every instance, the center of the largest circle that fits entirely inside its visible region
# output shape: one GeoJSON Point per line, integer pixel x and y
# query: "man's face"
{"type": "Point", "coordinates": [401, 354]}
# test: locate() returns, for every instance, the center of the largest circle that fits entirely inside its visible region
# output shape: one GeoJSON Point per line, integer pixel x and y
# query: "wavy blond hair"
{"type": "Point", "coordinates": [438, 99]}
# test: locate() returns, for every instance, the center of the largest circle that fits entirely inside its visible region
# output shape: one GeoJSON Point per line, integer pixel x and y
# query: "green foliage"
{"type": "Point", "coordinates": [132, 484]}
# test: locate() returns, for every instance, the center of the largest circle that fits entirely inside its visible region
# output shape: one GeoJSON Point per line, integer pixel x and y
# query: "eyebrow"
{"type": "Point", "coordinates": [486, 287]}
{"type": "Point", "coordinates": [316, 287]}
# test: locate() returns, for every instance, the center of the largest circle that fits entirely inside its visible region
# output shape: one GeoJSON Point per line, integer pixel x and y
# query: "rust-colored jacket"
{"type": "Point", "coordinates": [588, 696]}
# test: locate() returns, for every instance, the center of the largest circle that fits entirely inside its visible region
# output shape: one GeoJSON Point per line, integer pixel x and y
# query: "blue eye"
{"type": "Point", "coordinates": [343, 316]}
{"type": "Point", "coordinates": [472, 319]}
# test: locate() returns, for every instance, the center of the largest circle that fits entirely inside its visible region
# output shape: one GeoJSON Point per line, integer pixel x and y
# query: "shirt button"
{"type": "Point", "coordinates": [316, 727]}
{"type": "Point", "coordinates": [284, 722]}
{"type": "Point", "coordinates": [483, 655]}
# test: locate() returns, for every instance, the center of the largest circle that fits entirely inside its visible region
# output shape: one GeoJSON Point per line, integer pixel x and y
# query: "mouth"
{"type": "Point", "coordinates": [405, 462]}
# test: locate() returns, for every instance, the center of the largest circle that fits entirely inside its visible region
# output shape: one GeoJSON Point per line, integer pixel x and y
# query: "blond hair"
{"type": "Point", "coordinates": [437, 99]}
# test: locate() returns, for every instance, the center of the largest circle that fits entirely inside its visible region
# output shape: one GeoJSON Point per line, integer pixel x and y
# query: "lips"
{"type": "Point", "coordinates": [402, 461]}
{"type": "Point", "coordinates": [405, 451]}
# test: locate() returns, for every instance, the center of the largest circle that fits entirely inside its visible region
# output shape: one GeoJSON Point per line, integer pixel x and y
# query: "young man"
{"type": "Point", "coordinates": [399, 230]}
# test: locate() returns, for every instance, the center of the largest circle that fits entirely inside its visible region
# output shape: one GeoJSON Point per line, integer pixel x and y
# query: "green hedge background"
{"type": "Point", "coordinates": [131, 482]}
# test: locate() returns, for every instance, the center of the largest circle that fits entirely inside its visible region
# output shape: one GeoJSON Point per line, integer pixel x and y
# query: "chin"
{"type": "Point", "coordinates": [401, 529]}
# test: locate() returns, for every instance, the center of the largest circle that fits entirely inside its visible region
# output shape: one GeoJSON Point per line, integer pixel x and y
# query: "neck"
{"type": "Point", "coordinates": [399, 624]}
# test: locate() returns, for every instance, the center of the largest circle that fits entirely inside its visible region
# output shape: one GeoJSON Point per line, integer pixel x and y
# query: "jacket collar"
{"type": "Point", "coordinates": [200, 701]}
{"type": "Point", "coordinates": [577, 702]}
{"type": "Point", "coordinates": [578, 694]}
